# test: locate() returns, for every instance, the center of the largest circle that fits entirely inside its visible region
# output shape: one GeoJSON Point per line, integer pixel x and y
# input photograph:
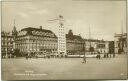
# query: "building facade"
{"type": "Point", "coordinates": [90, 45]}
{"type": "Point", "coordinates": [120, 43]}
{"type": "Point", "coordinates": [103, 46]}
{"type": "Point", "coordinates": [6, 44]}
{"type": "Point", "coordinates": [42, 41]}
{"type": "Point", "coordinates": [61, 37]}
{"type": "Point", "coordinates": [95, 45]}
{"type": "Point", "coordinates": [75, 44]}
{"type": "Point", "coordinates": [36, 41]}
{"type": "Point", "coordinates": [111, 47]}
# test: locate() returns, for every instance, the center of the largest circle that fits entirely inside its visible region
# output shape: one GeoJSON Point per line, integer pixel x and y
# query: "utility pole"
{"type": "Point", "coordinates": [90, 35]}
{"type": "Point", "coordinates": [122, 42]}
{"type": "Point", "coordinates": [90, 48]}
{"type": "Point", "coordinates": [122, 28]}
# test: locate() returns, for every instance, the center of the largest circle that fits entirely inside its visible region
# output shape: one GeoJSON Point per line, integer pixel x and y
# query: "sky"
{"type": "Point", "coordinates": [105, 18]}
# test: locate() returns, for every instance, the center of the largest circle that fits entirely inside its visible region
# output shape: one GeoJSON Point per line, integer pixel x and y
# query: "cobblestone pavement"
{"type": "Point", "coordinates": [64, 68]}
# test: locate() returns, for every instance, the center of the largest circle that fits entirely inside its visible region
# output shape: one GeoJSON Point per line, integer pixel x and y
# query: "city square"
{"type": "Point", "coordinates": [64, 68]}
{"type": "Point", "coordinates": [46, 40]}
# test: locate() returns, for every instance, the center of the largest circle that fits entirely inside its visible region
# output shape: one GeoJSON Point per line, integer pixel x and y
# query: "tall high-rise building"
{"type": "Point", "coordinates": [61, 37]}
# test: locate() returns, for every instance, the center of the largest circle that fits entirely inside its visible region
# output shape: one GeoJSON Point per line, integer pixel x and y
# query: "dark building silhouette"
{"type": "Point", "coordinates": [111, 47]}
{"type": "Point", "coordinates": [74, 43]}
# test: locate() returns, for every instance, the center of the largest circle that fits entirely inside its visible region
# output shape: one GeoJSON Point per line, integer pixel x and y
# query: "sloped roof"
{"type": "Point", "coordinates": [73, 37]}
{"type": "Point", "coordinates": [7, 34]}
{"type": "Point", "coordinates": [29, 31]}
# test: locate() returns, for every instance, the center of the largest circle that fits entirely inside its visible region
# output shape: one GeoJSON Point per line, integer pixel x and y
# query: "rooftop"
{"type": "Point", "coordinates": [36, 32]}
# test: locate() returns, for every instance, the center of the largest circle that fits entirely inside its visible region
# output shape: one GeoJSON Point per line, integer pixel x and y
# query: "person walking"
{"type": "Point", "coordinates": [113, 55]}
{"type": "Point", "coordinates": [98, 56]}
{"type": "Point", "coordinates": [26, 56]}
{"type": "Point", "coordinates": [84, 59]}
{"type": "Point", "coordinates": [107, 55]}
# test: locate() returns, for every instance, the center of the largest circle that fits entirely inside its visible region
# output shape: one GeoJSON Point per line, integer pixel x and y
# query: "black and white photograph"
{"type": "Point", "coordinates": [64, 40]}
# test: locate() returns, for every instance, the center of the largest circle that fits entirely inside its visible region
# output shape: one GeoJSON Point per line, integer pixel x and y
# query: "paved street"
{"type": "Point", "coordinates": [64, 68]}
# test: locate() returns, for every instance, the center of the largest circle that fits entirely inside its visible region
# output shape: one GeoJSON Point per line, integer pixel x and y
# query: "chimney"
{"type": "Point", "coordinates": [41, 27]}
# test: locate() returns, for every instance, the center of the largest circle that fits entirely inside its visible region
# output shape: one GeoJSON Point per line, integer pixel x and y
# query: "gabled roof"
{"type": "Point", "coordinates": [29, 31]}
{"type": "Point", "coordinates": [36, 29]}
{"type": "Point", "coordinates": [73, 37]}
{"type": "Point", "coordinates": [7, 34]}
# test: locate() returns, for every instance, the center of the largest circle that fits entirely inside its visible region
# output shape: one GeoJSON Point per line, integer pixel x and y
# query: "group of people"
{"type": "Point", "coordinates": [109, 55]}
{"type": "Point", "coordinates": [44, 55]}
{"type": "Point", "coordinates": [98, 56]}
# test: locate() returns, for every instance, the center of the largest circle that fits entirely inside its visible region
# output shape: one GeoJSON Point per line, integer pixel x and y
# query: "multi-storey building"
{"type": "Point", "coordinates": [95, 45]}
{"type": "Point", "coordinates": [103, 46]}
{"type": "Point", "coordinates": [74, 43]}
{"type": "Point", "coordinates": [90, 44]}
{"type": "Point", "coordinates": [6, 44]}
{"type": "Point", "coordinates": [61, 37]}
{"type": "Point", "coordinates": [120, 42]}
{"type": "Point", "coordinates": [36, 40]}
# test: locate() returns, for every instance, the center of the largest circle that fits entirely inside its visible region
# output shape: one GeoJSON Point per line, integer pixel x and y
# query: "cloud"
{"type": "Point", "coordinates": [23, 15]}
{"type": "Point", "coordinates": [43, 11]}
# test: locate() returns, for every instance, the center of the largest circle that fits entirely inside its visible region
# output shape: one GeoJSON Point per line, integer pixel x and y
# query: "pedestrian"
{"type": "Point", "coordinates": [110, 55]}
{"type": "Point", "coordinates": [104, 55]}
{"type": "Point", "coordinates": [26, 56]}
{"type": "Point", "coordinates": [99, 56]}
{"type": "Point", "coordinates": [107, 55]}
{"type": "Point", "coordinates": [113, 55]}
{"type": "Point", "coordinates": [84, 59]}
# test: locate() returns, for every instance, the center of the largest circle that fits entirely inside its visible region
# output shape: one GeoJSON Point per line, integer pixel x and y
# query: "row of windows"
{"type": "Point", "coordinates": [36, 48]}
{"type": "Point", "coordinates": [62, 29]}
{"type": "Point", "coordinates": [40, 44]}
{"type": "Point", "coordinates": [6, 38]}
{"type": "Point", "coordinates": [23, 40]}
{"type": "Point", "coordinates": [4, 49]}
{"type": "Point", "coordinates": [5, 43]}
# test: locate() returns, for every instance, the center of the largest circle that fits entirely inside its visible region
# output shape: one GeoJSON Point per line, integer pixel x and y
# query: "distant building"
{"type": "Point", "coordinates": [103, 46]}
{"type": "Point", "coordinates": [40, 41]}
{"type": "Point", "coordinates": [120, 43]}
{"type": "Point", "coordinates": [90, 45]}
{"type": "Point", "coordinates": [95, 45]}
{"type": "Point", "coordinates": [36, 40]}
{"type": "Point", "coordinates": [111, 47]}
{"type": "Point", "coordinates": [74, 43]}
{"type": "Point", "coordinates": [6, 44]}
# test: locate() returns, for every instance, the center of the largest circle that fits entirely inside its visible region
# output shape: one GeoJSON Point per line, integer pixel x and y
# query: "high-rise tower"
{"type": "Point", "coordinates": [61, 37]}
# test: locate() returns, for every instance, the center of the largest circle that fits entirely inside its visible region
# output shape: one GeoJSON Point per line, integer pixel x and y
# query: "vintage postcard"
{"type": "Point", "coordinates": [64, 40]}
